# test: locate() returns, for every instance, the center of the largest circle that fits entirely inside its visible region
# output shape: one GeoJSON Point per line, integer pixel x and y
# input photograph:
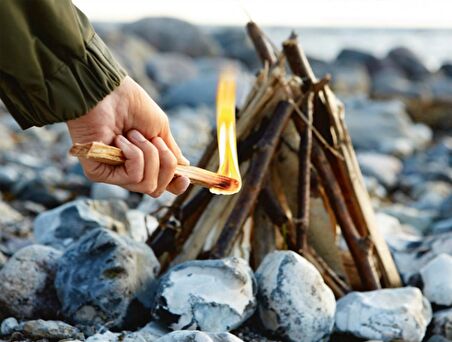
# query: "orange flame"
{"type": "Point", "coordinates": [227, 145]}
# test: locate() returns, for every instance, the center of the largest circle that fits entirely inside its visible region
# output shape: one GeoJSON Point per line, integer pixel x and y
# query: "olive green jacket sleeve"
{"type": "Point", "coordinates": [53, 66]}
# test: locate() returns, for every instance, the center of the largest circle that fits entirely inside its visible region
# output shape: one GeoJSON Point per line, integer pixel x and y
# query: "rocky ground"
{"type": "Point", "coordinates": [73, 263]}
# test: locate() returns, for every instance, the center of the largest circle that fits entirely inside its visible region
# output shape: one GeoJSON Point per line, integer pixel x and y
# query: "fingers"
{"type": "Point", "coordinates": [159, 167]}
{"type": "Point", "coordinates": [178, 185]}
{"type": "Point", "coordinates": [168, 163]}
{"type": "Point", "coordinates": [149, 183]}
{"type": "Point", "coordinates": [129, 173]}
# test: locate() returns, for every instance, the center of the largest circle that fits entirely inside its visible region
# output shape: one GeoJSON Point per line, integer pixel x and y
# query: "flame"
{"type": "Point", "coordinates": [227, 145]}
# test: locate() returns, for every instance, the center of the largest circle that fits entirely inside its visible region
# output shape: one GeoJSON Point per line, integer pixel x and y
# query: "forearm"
{"type": "Point", "coordinates": [53, 67]}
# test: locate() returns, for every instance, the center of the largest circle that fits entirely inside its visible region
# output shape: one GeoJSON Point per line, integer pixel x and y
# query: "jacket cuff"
{"type": "Point", "coordinates": [72, 91]}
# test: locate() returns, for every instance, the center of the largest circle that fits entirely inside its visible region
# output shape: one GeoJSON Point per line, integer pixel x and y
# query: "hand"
{"type": "Point", "coordinates": [129, 119]}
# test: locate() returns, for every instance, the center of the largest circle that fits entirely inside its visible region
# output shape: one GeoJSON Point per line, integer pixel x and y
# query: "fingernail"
{"type": "Point", "coordinates": [185, 160]}
{"type": "Point", "coordinates": [185, 183]}
{"type": "Point", "coordinates": [123, 143]}
{"type": "Point", "coordinates": [137, 136]}
{"type": "Point", "coordinates": [160, 143]}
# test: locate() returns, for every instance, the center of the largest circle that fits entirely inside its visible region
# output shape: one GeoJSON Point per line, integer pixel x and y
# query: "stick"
{"type": "Point", "coordinates": [359, 248]}
{"type": "Point", "coordinates": [347, 171]}
{"type": "Point", "coordinates": [259, 164]}
{"type": "Point", "coordinates": [266, 55]}
{"type": "Point", "coordinates": [113, 156]}
{"type": "Point", "coordinates": [304, 181]}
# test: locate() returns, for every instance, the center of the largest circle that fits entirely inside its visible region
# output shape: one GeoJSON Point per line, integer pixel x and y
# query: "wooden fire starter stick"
{"type": "Point", "coordinates": [111, 155]}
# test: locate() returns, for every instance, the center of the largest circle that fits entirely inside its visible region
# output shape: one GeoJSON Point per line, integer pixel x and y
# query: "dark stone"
{"type": "Point", "coordinates": [117, 276]}
{"type": "Point", "coordinates": [446, 69]}
{"type": "Point", "coordinates": [236, 44]}
{"type": "Point", "coordinates": [358, 57]}
{"type": "Point", "coordinates": [409, 63]}
{"type": "Point", "coordinates": [174, 35]}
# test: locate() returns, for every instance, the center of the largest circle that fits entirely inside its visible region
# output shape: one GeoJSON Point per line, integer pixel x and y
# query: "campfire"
{"type": "Point", "coordinates": [302, 187]}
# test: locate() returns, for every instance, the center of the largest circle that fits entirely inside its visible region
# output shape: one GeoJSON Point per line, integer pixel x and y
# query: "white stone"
{"type": "Point", "coordinates": [107, 336]}
{"type": "Point", "coordinates": [8, 326]}
{"type": "Point", "coordinates": [385, 168]}
{"type": "Point", "coordinates": [397, 236]}
{"type": "Point", "coordinates": [294, 301]}
{"type": "Point", "coordinates": [437, 279]}
{"type": "Point", "coordinates": [209, 295]}
{"type": "Point", "coordinates": [386, 314]}
{"type": "Point", "coordinates": [198, 336]}
{"type": "Point", "coordinates": [103, 191]}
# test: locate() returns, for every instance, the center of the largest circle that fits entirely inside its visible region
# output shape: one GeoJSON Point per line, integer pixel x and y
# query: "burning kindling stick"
{"type": "Point", "coordinates": [111, 155]}
{"type": "Point", "coordinates": [227, 180]}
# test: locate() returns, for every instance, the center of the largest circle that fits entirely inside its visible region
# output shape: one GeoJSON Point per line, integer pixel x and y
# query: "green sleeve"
{"type": "Point", "coordinates": [53, 66]}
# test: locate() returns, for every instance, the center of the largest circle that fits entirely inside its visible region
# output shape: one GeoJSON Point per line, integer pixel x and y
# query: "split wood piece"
{"type": "Point", "coordinates": [261, 45]}
{"type": "Point", "coordinates": [359, 247]}
{"type": "Point", "coordinates": [304, 173]}
{"type": "Point", "coordinates": [113, 156]}
{"type": "Point", "coordinates": [329, 119]}
{"type": "Point", "coordinates": [259, 164]}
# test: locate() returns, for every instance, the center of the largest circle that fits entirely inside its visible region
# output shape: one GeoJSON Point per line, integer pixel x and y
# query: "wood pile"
{"type": "Point", "coordinates": [302, 187]}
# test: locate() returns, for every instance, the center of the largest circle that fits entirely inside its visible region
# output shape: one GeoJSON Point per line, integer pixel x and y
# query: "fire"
{"type": "Point", "coordinates": [227, 145]}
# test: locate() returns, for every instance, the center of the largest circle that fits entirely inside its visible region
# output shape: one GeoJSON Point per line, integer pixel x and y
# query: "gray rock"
{"type": "Point", "coordinates": [388, 119]}
{"type": "Point", "coordinates": [106, 336]}
{"type": "Point", "coordinates": [103, 191]}
{"type": "Point", "coordinates": [397, 236]}
{"type": "Point", "coordinates": [433, 164]}
{"type": "Point", "coordinates": [419, 219]}
{"type": "Point", "coordinates": [349, 79]}
{"type": "Point", "coordinates": [198, 336]}
{"type": "Point", "coordinates": [446, 69]}
{"type": "Point", "coordinates": [294, 301]}
{"type": "Point", "coordinates": [195, 133]}
{"type": "Point", "coordinates": [442, 324]}
{"type": "Point", "coordinates": [149, 333]}
{"type": "Point", "coordinates": [409, 63]}
{"type": "Point", "coordinates": [63, 225]}
{"type": "Point", "coordinates": [437, 280]}
{"type": "Point", "coordinates": [26, 283]}
{"type": "Point", "coordinates": [418, 253]}
{"type": "Point", "coordinates": [3, 260]}
{"type": "Point", "coordinates": [201, 90]}
{"type": "Point", "coordinates": [385, 168]}
{"type": "Point", "coordinates": [446, 207]}
{"type": "Point", "coordinates": [235, 44]}
{"type": "Point", "coordinates": [116, 274]}
{"type": "Point", "coordinates": [9, 326]}
{"type": "Point", "coordinates": [210, 295]}
{"type": "Point", "coordinates": [430, 195]}
{"type": "Point", "coordinates": [390, 82]}
{"type": "Point", "coordinates": [439, 227]}
{"type": "Point", "coordinates": [168, 69]}
{"type": "Point", "coordinates": [132, 52]}
{"type": "Point", "coordinates": [438, 338]}
{"type": "Point", "coordinates": [174, 35]}
{"type": "Point", "coordinates": [386, 314]}
{"type": "Point", "coordinates": [355, 57]}
{"type": "Point", "coordinates": [50, 329]}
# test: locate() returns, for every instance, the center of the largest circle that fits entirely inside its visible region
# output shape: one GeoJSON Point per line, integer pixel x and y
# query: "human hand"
{"type": "Point", "coordinates": [129, 119]}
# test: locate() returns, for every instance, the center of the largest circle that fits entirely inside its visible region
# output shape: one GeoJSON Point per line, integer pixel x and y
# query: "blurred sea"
{"type": "Point", "coordinates": [433, 46]}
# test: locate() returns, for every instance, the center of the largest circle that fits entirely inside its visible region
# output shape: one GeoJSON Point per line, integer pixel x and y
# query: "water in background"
{"type": "Point", "coordinates": [433, 46]}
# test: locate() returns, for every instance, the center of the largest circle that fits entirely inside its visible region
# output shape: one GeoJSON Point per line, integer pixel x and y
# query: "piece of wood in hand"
{"type": "Point", "coordinates": [111, 155]}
